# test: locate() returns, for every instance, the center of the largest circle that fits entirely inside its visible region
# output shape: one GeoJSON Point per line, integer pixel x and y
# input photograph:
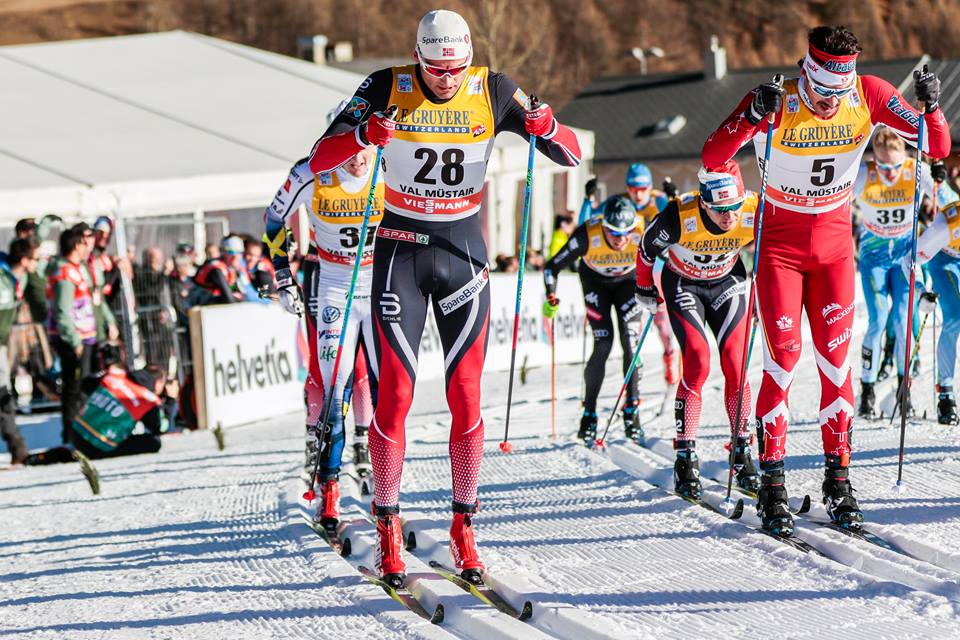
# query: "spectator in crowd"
{"type": "Point", "coordinates": [184, 293]}
{"type": "Point", "coordinates": [259, 268]}
{"type": "Point", "coordinates": [506, 264]}
{"type": "Point", "coordinates": [563, 226]}
{"type": "Point", "coordinates": [534, 260]}
{"type": "Point", "coordinates": [153, 302]}
{"type": "Point", "coordinates": [72, 322]}
{"type": "Point", "coordinates": [25, 228]}
{"type": "Point", "coordinates": [106, 324]}
{"type": "Point", "coordinates": [225, 276]}
{"type": "Point", "coordinates": [117, 402]}
{"type": "Point", "coordinates": [103, 233]}
{"type": "Point", "coordinates": [21, 260]}
{"type": "Point", "coordinates": [212, 250]}
{"type": "Point", "coordinates": [35, 289]}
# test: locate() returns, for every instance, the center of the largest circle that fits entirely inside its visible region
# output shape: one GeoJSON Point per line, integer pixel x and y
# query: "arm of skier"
{"type": "Point", "coordinates": [931, 241]}
{"type": "Point", "coordinates": [558, 142]}
{"type": "Point", "coordinates": [349, 133]}
{"type": "Point", "coordinates": [734, 132]}
{"type": "Point", "coordinates": [575, 248]}
{"type": "Point", "coordinates": [860, 182]}
{"type": "Point", "coordinates": [657, 238]}
{"type": "Point", "coordinates": [888, 106]}
{"type": "Point", "coordinates": [296, 190]}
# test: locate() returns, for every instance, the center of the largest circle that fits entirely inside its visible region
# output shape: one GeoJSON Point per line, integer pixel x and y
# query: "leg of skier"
{"type": "Point", "coordinates": [830, 285]}
{"type": "Point", "coordinates": [628, 319]}
{"type": "Point", "coordinates": [945, 273]}
{"type": "Point", "coordinates": [671, 359]}
{"type": "Point", "coordinates": [900, 294]}
{"type": "Point", "coordinates": [873, 279]}
{"type": "Point", "coordinates": [598, 301]}
{"type": "Point", "coordinates": [687, 316]}
{"type": "Point", "coordinates": [362, 403]}
{"type": "Point", "coordinates": [313, 388]}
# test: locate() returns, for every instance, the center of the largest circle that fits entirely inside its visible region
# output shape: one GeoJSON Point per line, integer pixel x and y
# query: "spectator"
{"type": "Point", "coordinates": [21, 260]}
{"type": "Point", "coordinates": [259, 268]}
{"type": "Point", "coordinates": [25, 228]}
{"type": "Point", "coordinates": [534, 260]}
{"type": "Point", "coordinates": [212, 250]}
{"type": "Point", "coordinates": [183, 290]}
{"type": "Point", "coordinates": [563, 226]}
{"type": "Point", "coordinates": [153, 301]}
{"type": "Point", "coordinates": [118, 401]}
{"type": "Point", "coordinates": [506, 264]}
{"type": "Point", "coordinates": [72, 322]}
{"type": "Point", "coordinates": [106, 324]}
{"type": "Point", "coordinates": [225, 276]}
{"type": "Point", "coordinates": [103, 230]}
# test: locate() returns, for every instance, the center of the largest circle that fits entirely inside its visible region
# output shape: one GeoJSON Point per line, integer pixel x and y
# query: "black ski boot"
{"type": "Point", "coordinates": [631, 423]}
{"type": "Point", "coordinates": [686, 473]}
{"type": "Point", "coordinates": [915, 366]}
{"type": "Point", "coordinates": [868, 401]}
{"type": "Point", "coordinates": [772, 507]}
{"type": "Point", "coordinates": [906, 406]}
{"type": "Point", "coordinates": [838, 498]}
{"type": "Point", "coordinates": [946, 406]}
{"type": "Point", "coordinates": [361, 452]}
{"type": "Point", "coordinates": [311, 449]}
{"type": "Point", "coordinates": [887, 364]}
{"type": "Point", "coordinates": [588, 428]}
{"type": "Point", "coordinates": [746, 474]}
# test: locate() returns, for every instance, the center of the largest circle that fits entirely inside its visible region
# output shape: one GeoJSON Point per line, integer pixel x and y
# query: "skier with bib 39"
{"type": "Point", "coordinates": [822, 124]}
{"type": "Point", "coordinates": [430, 249]}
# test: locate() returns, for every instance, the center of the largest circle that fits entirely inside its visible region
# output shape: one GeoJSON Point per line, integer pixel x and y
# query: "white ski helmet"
{"type": "Point", "coordinates": [443, 35]}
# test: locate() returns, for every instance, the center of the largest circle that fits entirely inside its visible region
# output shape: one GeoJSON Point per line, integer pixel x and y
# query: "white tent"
{"type": "Point", "coordinates": [174, 123]}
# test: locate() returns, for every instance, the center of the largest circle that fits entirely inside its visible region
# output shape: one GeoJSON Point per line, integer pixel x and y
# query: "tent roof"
{"type": "Point", "coordinates": [156, 123]}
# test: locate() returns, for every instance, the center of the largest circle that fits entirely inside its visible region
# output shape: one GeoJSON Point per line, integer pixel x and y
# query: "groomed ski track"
{"type": "Point", "coordinates": [195, 543]}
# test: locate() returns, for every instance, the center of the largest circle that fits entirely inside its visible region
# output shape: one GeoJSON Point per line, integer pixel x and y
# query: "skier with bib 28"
{"type": "Point", "coordinates": [822, 124]}
{"type": "Point", "coordinates": [430, 249]}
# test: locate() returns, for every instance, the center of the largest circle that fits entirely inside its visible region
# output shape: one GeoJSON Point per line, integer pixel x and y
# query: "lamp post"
{"type": "Point", "coordinates": [642, 55]}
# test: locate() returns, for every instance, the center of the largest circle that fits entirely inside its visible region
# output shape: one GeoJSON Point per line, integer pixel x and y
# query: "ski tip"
{"type": "Point", "coordinates": [804, 505]}
{"type": "Point", "coordinates": [437, 617]}
{"type": "Point", "coordinates": [506, 447]}
{"type": "Point", "coordinates": [309, 495]}
{"type": "Point", "coordinates": [526, 612]}
{"type": "Point", "coordinates": [411, 544]}
{"type": "Point", "coordinates": [346, 548]}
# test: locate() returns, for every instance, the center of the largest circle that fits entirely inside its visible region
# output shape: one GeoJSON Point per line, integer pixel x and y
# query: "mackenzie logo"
{"type": "Point", "coordinates": [244, 373]}
{"type": "Point", "coordinates": [827, 310]}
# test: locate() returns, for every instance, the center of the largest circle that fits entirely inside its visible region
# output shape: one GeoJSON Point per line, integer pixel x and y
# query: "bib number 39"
{"type": "Point", "coordinates": [451, 172]}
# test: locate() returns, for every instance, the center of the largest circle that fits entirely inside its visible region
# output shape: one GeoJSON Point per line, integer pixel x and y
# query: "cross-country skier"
{"type": "Point", "coordinates": [649, 202]}
{"type": "Point", "coordinates": [607, 248]}
{"type": "Point", "coordinates": [823, 121]}
{"type": "Point", "coordinates": [430, 248]}
{"type": "Point", "coordinates": [704, 285]}
{"type": "Point", "coordinates": [939, 248]}
{"type": "Point", "coordinates": [884, 193]}
{"type": "Point", "coordinates": [336, 201]}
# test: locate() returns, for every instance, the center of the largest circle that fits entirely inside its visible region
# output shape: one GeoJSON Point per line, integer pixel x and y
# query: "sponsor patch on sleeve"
{"type": "Point", "coordinates": [521, 98]}
{"type": "Point", "coordinates": [357, 108]}
{"type": "Point", "coordinates": [404, 83]}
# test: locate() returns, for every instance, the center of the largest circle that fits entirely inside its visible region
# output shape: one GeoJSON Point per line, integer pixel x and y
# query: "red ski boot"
{"type": "Point", "coordinates": [328, 514]}
{"type": "Point", "coordinates": [463, 546]}
{"type": "Point", "coordinates": [389, 545]}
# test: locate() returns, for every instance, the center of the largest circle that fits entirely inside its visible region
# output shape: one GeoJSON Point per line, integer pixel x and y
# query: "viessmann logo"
{"type": "Point", "coordinates": [241, 371]}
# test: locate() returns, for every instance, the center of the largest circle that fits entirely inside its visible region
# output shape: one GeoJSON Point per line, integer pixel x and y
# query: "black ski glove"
{"type": "Point", "coordinates": [767, 99]}
{"type": "Point", "coordinates": [927, 87]}
{"type": "Point", "coordinates": [670, 189]}
{"type": "Point", "coordinates": [590, 189]}
{"type": "Point", "coordinates": [938, 171]}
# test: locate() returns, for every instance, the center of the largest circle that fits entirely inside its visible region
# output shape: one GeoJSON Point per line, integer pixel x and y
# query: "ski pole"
{"type": "Point", "coordinates": [505, 446]}
{"type": "Point", "coordinates": [553, 378]}
{"type": "Point", "coordinates": [917, 195]}
{"type": "Point", "coordinates": [323, 427]}
{"type": "Point", "coordinates": [765, 171]}
{"type": "Point", "coordinates": [626, 379]}
{"type": "Point", "coordinates": [913, 356]}
{"type": "Point", "coordinates": [753, 334]}
{"type": "Point", "coordinates": [935, 396]}
{"type": "Point", "coordinates": [583, 361]}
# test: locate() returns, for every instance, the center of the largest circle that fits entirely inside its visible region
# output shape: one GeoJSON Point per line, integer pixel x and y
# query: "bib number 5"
{"type": "Point", "coordinates": [822, 172]}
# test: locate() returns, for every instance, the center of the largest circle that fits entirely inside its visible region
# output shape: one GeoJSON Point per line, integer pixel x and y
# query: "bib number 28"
{"type": "Point", "coordinates": [451, 171]}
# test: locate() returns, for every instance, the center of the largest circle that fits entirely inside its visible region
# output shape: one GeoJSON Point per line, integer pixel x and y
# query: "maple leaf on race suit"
{"type": "Point", "coordinates": [835, 431]}
{"type": "Point", "coordinates": [774, 438]}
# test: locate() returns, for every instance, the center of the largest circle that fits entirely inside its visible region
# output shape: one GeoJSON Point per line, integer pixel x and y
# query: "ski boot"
{"type": "Point", "coordinates": [686, 472]}
{"type": "Point", "coordinates": [868, 401]}
{"type": "Point", "coordinates": [588, 428]}
{"type": "Point", "coordinates": [631, 423]}
{"type": "Point", "coordinates": [915, 367]}
{"type": "Point", "coordinates": [838, 499]}
{"type": "Point", "coordinates": [946, 406]}
{"type": "Point", "coordinates": [311, 450]}
{"type": "Point", "coordinates": [906, 406]}
{"type": "Point", "coordinates": [388, 560]}
{"type": "Point", "coordinates": [746, 477]}
{"type": "Point", "coordinates": [463, 546]}
{"type": "Point", "coordinates": [772, 507]}
{"type": "Point", "coordinates": [328, 512]}
{"type": "Point", "coordinates": [887, 364]}
{"type": "Point", "coordinates": [671, 368]}
{"type": "Point", "coordinates": [361, 452]}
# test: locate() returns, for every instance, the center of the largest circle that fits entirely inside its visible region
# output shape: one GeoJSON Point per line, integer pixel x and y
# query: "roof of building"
{"type": "Point", "coordinates": [624, 111]}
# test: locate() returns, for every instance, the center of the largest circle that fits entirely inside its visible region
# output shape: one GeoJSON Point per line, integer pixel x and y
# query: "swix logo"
{"type": "Point", "coordinates": [784, 323]}
{"type": "Point", "coordinates": [390, 307]}
{"type": "Point", "coordinates": [839, 340]}
{"type": "Point", "coordinates": [827, 310]}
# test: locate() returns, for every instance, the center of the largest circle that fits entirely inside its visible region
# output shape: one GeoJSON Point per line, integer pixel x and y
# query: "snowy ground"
{"type": "Point", "coordinates": [197, 543]}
